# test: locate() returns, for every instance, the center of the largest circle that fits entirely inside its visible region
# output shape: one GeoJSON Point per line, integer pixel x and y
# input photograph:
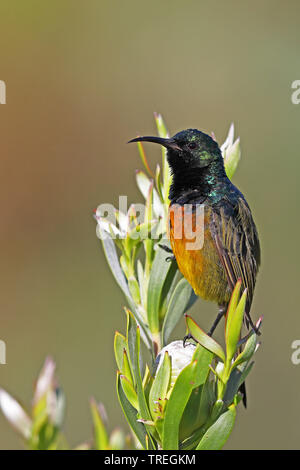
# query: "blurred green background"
{"type": "Point", "coordinates": [82, 78]}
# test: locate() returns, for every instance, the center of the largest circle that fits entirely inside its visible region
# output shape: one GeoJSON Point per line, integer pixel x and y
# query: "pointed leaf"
{"type": "Point", "coordinates": [113, 262]}
{"type": "Point", "coordinates": [175, 407]}
{"type": "Point", "coordinates": [232, 158]}
{"type": "Point", "coordinates": [129, 392]}
{"type": "Point", "coordinates": [160, 387]}
{"type": "Point", "coordinates": [203, 358]}
{"type": "Point", "coordinates": [202, 338]}
{"type": "Point", "coordinates": [232, 305]}
{"type": "Point", "coordinates": [130, 414]}
{"type": "Point", "coordinates": [131, 343]}
{"type": "Point", "coordinates": [217, 435]}
{"type": "Point", "coordinates": [144, 158]}
{"type": "Point", "coordinates": [100, 433]}
{"type": "Point", "coordinates": [161, 127]}
{"type": "Point", "coordinates": [142, 403]}
{"type": "Point", "coordinates": [176, 308]}
{"type": "Point", "coordinates": [158, 275]}
{"type": "Point", "coordinates": [234, 325]}
{"type": "Point", "coordinates": [162, 131]}
{"type": "Point", "coordinates": [15, 414]}
{"type": "Point", "coordinates": [119, 346]}
{"type": "Point", "coordinates": [237, 377]}
{"type": "Point", "coordinates": [126, 369]}
{"type": "Point", "coordinates": [143, 406]}
{"type": "Point", "coordinates": [144, 184]}
{"type": "Point", "coordinates": [248, 350]}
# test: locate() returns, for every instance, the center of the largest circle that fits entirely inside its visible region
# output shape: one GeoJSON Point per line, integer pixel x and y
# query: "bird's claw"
{"type": "Point", "coordinates": [186, 338]}
{"type": "Point", "coordinates": [165, 248]}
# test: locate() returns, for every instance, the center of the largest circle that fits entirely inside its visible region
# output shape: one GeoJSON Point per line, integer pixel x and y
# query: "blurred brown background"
{"type": "Point", "coordinates": [82, 78]}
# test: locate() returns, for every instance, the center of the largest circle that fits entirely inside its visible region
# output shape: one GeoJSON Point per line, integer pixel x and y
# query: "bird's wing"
{"type": "Point", "coordinates": [235, 235]}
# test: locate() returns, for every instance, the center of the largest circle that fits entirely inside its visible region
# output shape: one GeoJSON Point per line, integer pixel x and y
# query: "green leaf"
{"type": "Point", "coordinates": [175, 407]}
{"type": "Point", "coordinates": [196, 410]}
{"type": "Point", "coordinates": [143, 407]}
{"type": "Point", "coordinates": [217, 409]}
{"type": "Point", "coordinates": [176, 307]}
{"type": "Point", "coordinates": [138, 234]}
{"type": "Point", "coordinates": [234, 325]}
{"type": "Point", "coordinates": [149, 203]}
{"type": "Point", "coordinates": [202, 338]}
{"type": "Point", "coordinates": [161, 127]}
{"type": "Point", "coordinates": [148, 243]}
{"type": "Point", "coordinates": [232, 306]}
{"type": "Point", "coordinates": [232, 386]}
{"type": "Point", "coordinates": [176, 277]}
{"type": "Point", "coordinates": [113, 262]}
{"type": "Point", "coordinates": [216, 436]}
{"type": "Point", "coordinates": [203, 358]}
{"type": "Point", "coordinates": [207, 400]}
{"type": "Point", "coordinates": [141, 281]}
{"type": "Point", "coordinates": [130, 414]}
{"type": "Point", "coordinates": [158, 181]}
{"type": "Point", "coordinates": [158, 275]}
{"type": "Point", "coordinates": [245, 371]}
{"type": "Point", "coordinates": [131, 339]}
{"type": "Point", "coordinates": [162, 132]}
{"type": "Point", "coordinates": [160, 387]}
{"type": "Point", "coordinates": [190, 418]}
{"type": "Point", "coordinates": [142, 403]}
{"type": "Point", "coordinates": [231, 153]}
{"type": "Point", "coordinates": [134, 289]}
{"type": "Point", "coordinates": [147, 381]}
{"type": "Point", "coordinates": [101, 441]}
{"type": "Point", "coordinates": [248, 350]}
{"type": "Point", "coordinates": [237, 377]}
{"type": "Point", "coordinates": [131, 343]}
{"type": "Point", "coordinates": [129, 391]}
{"type": "Point", "coordinates": [232, 158]}
{"type": "Point", "coordinates": [168, 287]}
{"type": "Point", "coordinates": [144, 185]}
{"type": "Point", "coordinates": [126, 369]}
{"type": "Point", "coordinates": [144, 158]}
{"type": "Point", "coordinates": [119, 346]}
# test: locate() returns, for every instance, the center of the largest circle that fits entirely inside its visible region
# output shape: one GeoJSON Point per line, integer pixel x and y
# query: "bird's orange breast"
{"type": "Point", "coordinates": [196, 254]}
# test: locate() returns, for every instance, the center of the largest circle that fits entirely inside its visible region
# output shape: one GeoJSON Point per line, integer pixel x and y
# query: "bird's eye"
{"type": "Point", "coordinates": [192, 145]}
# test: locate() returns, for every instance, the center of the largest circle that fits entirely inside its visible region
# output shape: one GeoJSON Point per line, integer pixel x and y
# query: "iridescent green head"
{"type": "Point", "coordinates": [189, 149]}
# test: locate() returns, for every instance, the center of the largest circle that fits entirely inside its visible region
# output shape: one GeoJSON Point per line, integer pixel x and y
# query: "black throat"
{"type": "Point", "coordinates": [189, 183]}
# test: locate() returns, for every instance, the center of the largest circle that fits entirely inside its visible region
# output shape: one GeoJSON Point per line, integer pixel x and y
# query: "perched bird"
{"type": "Point", "coordinates": [230, 249]}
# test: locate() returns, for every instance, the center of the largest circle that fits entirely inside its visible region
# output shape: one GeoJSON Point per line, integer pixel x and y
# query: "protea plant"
{"type": "Point", "coordinates": [186, 397]}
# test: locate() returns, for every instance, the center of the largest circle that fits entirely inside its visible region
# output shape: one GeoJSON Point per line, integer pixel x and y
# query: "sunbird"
{"type": "Point", "coordinates": [231, 248]}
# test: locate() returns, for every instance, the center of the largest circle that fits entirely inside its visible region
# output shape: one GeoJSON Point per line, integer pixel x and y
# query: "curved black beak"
{"type": "Point", "coordinates": [168, 143]}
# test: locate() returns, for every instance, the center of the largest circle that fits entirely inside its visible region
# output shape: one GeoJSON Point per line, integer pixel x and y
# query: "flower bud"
{"type": "Point", "coordinates": [180, 356]}
{"type": "Point", "coordinates": [15, 414]}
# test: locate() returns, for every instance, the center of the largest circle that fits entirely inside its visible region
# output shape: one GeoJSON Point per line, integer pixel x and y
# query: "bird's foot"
{"type": "Point", "coordinates": [222, 311]}
{"type": "Point", "coordinates": [255, 328]}
{"type": "Point", "coordinates": [168, 250]}
{"type": "Point", "coordinates": [165, 248]}
{"type": "Point", "coordinates": [187, 338]}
